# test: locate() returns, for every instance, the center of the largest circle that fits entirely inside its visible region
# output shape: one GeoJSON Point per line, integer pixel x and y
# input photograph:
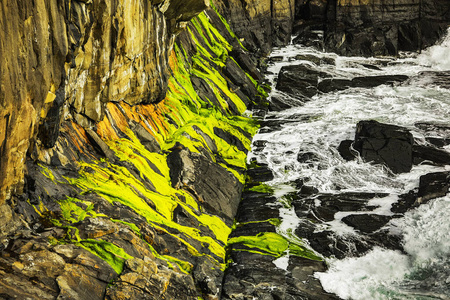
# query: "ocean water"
{"type": "Point", "coordinates": [319, 125]}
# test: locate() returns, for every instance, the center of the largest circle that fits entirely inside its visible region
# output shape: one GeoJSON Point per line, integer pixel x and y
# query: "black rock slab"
{"type": "Point", "coordinates": [366, 223]}
{"type": "Point", "coordinates": [433, 155]}
{"type": "Point", "coordinates": [373, 81]}
{"type": "Point", "coordinates": [300, 81]}
{"type": "Point", "coordinates": [385, 144]}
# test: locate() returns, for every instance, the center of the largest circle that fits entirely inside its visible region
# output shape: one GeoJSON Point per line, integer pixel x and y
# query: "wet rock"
{"type": "Point", "coordinates": [299, 81]}
{"type": "Point", "coordinates": [305, 157]}
{"type": "Point", "coordinates": [335, 84]}
{"type": "Point", "coordinates": [327, 205]}
{"type": "Point", "coordinates": [433, 185]}
{"type": "Point", "coordinates": [329, 244]}
{"type": "Point", "coordinates": [383, 143]}
{"type": "Point", "coordinates": [366, 223]}
{"type": "Point", "coordinates": [432, 78]}
{"type": "Point", "coordinates": [373, 81]}
{"type": "Point", "coordinates": [255, 206]}
{"type": "Point", "coordinates": [280, 103]}
{"type": "Point", "coordinates": [345, 149]}
{"type": "Point", "coordinates": [405, 202]}
{"type": "Point", "coordinates": [260, 174]}
{"type": "Point", "coordinates": [422, 154]}
{"type": "Point", "coordinates": [255, 276]}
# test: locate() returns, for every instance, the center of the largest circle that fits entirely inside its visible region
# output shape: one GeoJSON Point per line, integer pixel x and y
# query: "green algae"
{"type": "Point", "coordinates": [148, 191]}
{"type": "Point", "coordinates": [262, 188]}
{"type": "Point", "coordinates": [270, 243]}
{"type": "Point", "coordinates": [112, 254]}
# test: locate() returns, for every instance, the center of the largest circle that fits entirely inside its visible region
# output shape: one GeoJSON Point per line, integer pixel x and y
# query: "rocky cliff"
{"type": "Point", "coordinates": [124, 134]}
{"type": "Point", "coordinates": [123, 147]}
{"type": "Point", "coordinates": [378, 27]}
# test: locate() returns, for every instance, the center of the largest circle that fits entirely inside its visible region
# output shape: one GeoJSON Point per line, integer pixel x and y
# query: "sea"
{"type": "Point", "coordinates": [422, 270]}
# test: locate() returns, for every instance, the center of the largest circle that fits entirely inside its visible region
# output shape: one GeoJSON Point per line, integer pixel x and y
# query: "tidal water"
{"type": "Point", "coordinates": [319, 125]}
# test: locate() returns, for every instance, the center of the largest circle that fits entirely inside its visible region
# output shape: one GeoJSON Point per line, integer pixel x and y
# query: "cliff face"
{"type": "Point", "coordinates": [377, 27]}
{"type": "Point", "coordinates": [260, 25]}
{"type": "Point", "coordinates": [123, 148]}
{"type": "Point", "coordinates": [69, 58]}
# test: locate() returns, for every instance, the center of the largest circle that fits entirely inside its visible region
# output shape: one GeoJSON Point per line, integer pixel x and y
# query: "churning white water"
{"type": "Point", "coordinates": [318, 126]}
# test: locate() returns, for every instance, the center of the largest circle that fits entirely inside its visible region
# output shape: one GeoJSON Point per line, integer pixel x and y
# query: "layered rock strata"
{"type": "Point", "coordinates": [260, 25]}
{"type": "Point", "coordinates": [132, 182]}
{"type": "Point", "coordinates": [384, 27]}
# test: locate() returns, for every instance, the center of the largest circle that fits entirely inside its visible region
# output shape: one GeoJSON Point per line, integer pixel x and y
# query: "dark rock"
{"type": "Point", "coordinates": [308, 37]}
{"type": "Point", "coordinates": [328, 244]}
{"type": "Point", "coordinates": [49, 128]}
{"type": "Point", "coordinates": [373, 81]}
{"type": "Point", "coordinates": [306, 157]}
{"type": "Point", "coordinates": [345, 149]}
{"type": "Point", "coordinates": [230, 139]}
{"type": "Point", "coordinates": [216, 188]}
{"type": "Point", "coordinates": [99, 145]}
{"type": "Point", "coordinates": [247, 63]}
{"type": "Point", "coordinates": [280, 103]}
{"type": "Point", "coordinates": [384, 28]}
{"type": "Point", "coordinates": [383, 143]}
{"type": "Point", "coordinates": [253, 207]}
{"type": "Point", "coordinates": [206, 92]}
{"type": "Point", "coordinates": [366, 223]}
{"type": "Point", "coordinates": [438, 142]}
{"type": "Point", "coordinates": [433, 185]}
{"type": "Point", "coordinates": [333, 84]}
{"type": "Point", "coordinates": [333, 203]}
{"type": "Point", "coordinates": [423, 154]}
{"type": "Point", "coordinates": [234, 72]}
{"type": "Point", "coordinates": [308, 190]}
{"type": "Point", "coordinates": [330, 85]}
{"type": "Point", "coordinates": [260, 174]}
{"type": "Point", "coordinates": [404, 203]}
{"type": "Point", "coordinates": [299, 81]}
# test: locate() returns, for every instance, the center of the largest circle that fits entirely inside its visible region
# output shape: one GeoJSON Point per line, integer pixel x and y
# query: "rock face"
{"type": "Point", "coordinates": [122, 146]}
{"type": "Point", "coordinates": [73, 57]}
{"type": "Point", "coordinates": [377, 27]}
{"type": "Point", "coordinates": [260, 24]}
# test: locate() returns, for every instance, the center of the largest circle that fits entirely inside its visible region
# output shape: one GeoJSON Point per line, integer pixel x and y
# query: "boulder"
{"type": "Point", "coordinates": [345, 149]}
{"type": "Point", "coordinates": [300, 81]}
{"type": "Point", "coordinates": [366, 223]}
{"type": "Point", "coordinates": [386, 144]}
{"type": "Point", "coordinates": [433, 185]}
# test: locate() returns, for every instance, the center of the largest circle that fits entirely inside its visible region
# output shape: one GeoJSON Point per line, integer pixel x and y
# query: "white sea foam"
{"type": "Point", "coordinates": [437, 56]}
{"type": "Point", "coordinates": [318, 126]}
